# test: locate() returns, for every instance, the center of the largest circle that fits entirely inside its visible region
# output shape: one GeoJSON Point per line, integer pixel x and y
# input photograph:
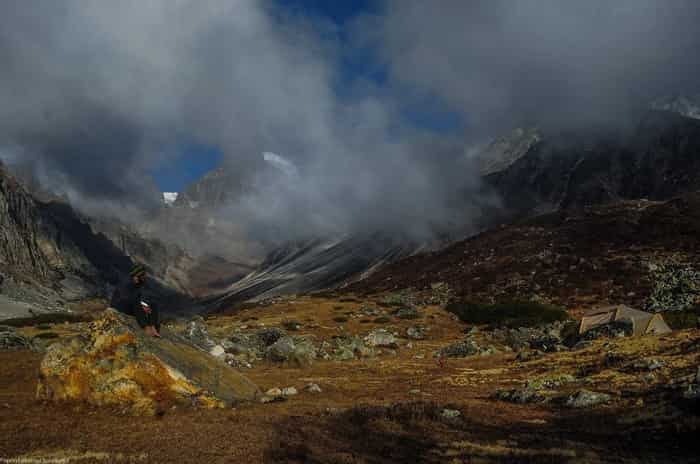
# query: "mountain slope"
{"type": "Point", "coordinates": [574, 258]}
{"type": "Point", "coordinates": [51, 255]}
{"type": "Point", "coordinates": [19, 230]}
{"type": "Point", "coordinates": [314, 265]}
{"type": "Point", "coordinates": [657, 160]}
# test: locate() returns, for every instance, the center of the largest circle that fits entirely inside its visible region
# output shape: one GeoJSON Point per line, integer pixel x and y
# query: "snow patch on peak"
{"type": "Point", "coordinates": [169, 198]}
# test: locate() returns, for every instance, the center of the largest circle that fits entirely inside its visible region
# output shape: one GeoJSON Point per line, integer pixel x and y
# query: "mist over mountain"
{"type": "Point", "coordinates": [96, 96]}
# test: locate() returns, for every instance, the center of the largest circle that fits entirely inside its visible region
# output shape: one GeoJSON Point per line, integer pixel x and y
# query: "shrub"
{"type": "Point", "coordinates": [686, 319]}
{"type": "Point", "coordinates": [395, 299]}
{"type": "Point", "coordinates": [512, 314]}
{"type": "Point", "coordinates": [46, 335]}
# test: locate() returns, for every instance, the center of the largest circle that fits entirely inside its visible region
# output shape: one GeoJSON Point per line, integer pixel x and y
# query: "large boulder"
{"type": "Point", "coordinates": [197, 334]}
{"type": "Point", "coordinates": [461, 349]}
{"type": "Point", "coordinates": [113, 362]}
{"type": "Point", "coordinates": [381, 338]}
{"type": "Point", "coordinates": [297, 351]}
{"type": "Point", "coordinates": [586, 399]}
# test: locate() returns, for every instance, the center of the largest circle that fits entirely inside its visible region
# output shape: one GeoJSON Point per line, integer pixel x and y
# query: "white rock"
{"type": "Point", "coordinates": [312, 388]}
{"type": "Point", "coordinates": [217, 351]}
{"type": "Point", "coordinates": [289, 391]}
{"type": "Point", "coordinates": [274, 392]}
{"type": "Point", "coordinates": [450, 413]}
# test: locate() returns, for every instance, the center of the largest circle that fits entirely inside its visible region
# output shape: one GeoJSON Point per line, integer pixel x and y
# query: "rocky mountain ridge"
{"type": "Point", "coordinates": [51, 255]}
{"type": "Point", "coordinates": [655, 160]}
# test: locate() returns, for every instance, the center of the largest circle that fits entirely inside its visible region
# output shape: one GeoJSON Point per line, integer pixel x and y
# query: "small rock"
{"type": "Point", "coordinates": [370, 311]}
{"type": "Point", "coordinates": [408, 312]}
{"type": "Point", "coordinates": [586, 398]}
{"type": "Point", "coordinates": [450, 414]}
{"type": "Point", "coordinates": [197, 334]}
{"type": "Point", "coordinates": [416, 332]}
{"type": "Point", "coordinates": [297, 351]}
{"type": "Point", "coordinates": [381, 338]}
{"type": "Point", "coordinates": [550, 382]}
{"type": "Point", "coordinates": [692, 392]}
{"type": "Point", "coordinates": [217, 351]}
{"type": "Point", "coordinates": [269, 336]}
{"type": "Point", "coordinates": [312, 388]}
{"type": "Point", "coordinates": [415, 391]}
{"type": "Point", "coordinates": [650, 364]}
{"type": "Point", "coordinates": [289, 391]}
{"type": "Point", "coordinates": [460, 349]}
{"type": "Point", "coordinates": [274, 392]}
{"type": "Point", "coordinates": [292, 325]}
{"type": "Point", "coordinates": [520, 395]}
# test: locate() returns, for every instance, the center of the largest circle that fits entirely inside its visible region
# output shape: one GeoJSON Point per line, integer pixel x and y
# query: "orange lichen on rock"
{"type": "Point", "coordinates": [114, 363]}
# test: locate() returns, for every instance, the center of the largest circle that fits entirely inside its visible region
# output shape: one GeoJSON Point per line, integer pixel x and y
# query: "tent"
{"type": "Point", "coordinates": [643, 323]}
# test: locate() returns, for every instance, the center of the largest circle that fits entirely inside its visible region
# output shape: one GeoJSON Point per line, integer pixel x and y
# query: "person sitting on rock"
{"type": "Point", "coordinates": [128, 299]}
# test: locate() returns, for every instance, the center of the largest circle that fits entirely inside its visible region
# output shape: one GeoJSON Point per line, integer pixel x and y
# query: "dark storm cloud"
{"type": "Point", "coordinates": [96, 93]}
{"type": "Point", "coordinates": [505, 63]}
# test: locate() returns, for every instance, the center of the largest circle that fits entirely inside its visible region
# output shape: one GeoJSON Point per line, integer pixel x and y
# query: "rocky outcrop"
{"type": "Point", "coordinates": [166, 261]}
{"type": "Point", "coordinates": [19, 231]}
{"type": "Point", "coordinates": [506, 150]}
{"type": "Point", "coordinates": [657, 160]}
{"type": "Point", "coordinates": [587, 399]}
{"type": "Point", "coordinates": [685, 105]}
{"type": "Point", "coordinates": [114, 363]}
{"type": "Point", "coordinates": [50, 255]}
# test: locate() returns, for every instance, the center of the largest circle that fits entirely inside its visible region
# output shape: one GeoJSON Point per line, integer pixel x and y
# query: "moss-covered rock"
{"type": "Point", "coordinates": [113, 362]}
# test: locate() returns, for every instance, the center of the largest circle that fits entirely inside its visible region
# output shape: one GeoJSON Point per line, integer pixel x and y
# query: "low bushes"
{"type": "Point", "coordinates": [511, 314]}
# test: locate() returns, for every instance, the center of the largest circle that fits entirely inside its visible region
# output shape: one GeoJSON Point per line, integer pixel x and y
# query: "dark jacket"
{"type": "Point", "coordinates": [127, 299]}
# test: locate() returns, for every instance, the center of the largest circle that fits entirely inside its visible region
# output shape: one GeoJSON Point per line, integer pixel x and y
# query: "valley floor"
{"type": "Point", "coordinates": [389, 408]}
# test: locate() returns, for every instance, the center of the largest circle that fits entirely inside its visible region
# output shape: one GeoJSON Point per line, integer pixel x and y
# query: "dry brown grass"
{"type": "Point", "coordinates": [377, 410]}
